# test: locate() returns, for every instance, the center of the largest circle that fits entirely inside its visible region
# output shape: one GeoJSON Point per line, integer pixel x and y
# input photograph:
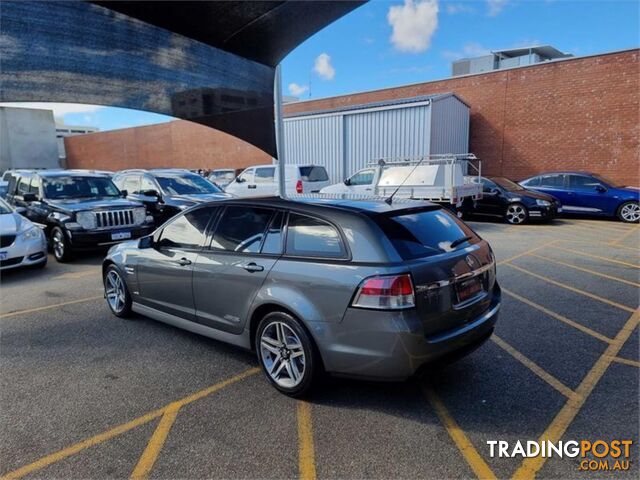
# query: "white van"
{"type": "Point", "coordinates": [262, 180]}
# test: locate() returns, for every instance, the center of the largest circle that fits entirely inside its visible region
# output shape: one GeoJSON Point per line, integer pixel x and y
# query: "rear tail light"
{"type": "Point", "coordinates": [385, 293]}
{"type": "Point", "coordinates": [299, 186]}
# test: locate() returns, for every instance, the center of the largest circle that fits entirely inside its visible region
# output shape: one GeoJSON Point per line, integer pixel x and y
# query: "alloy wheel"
{"type": "Point", "coordinates": [630, 212]}
{"type": "Point", "coordinates": [114, 289]}
{"type": "Point", "coordinates": [282, 354]}
{"type": "Point", "coordinates": [516, 214]}
{"type": "Point", "coordinates": [58, 244]}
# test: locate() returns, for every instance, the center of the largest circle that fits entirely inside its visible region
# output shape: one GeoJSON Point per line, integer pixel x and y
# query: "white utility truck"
{"type": "Point", "coordinates": [446, 179]}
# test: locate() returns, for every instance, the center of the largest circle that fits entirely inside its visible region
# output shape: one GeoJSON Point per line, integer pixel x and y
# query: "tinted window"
{"type": "Point", "coordinates": [23, 185]}
{"type": "Point", "coordinates": [487, 185]}
{"type": "Point", "coordinates": [185, 184]}
{"type": "Point", "coordinates": [310, 237]}
{"type": "Point", "coordinates": [187, 231]}
{"type": "Point", "coordinates": [364, 177]}
{"type": "Point", "coordinates": [534, 182]}
{"type": "Point", "coordinates": [552, 181]}
{"type": "Point", "coordinates": [313, 174]}
{"type": "Point", "coordinates": [273, 240]}
{"type": "Point", "coordinates": [580, 181]}
{"type": "Point", "coordinates": [241, 229]}
{"type": "Point", "coordinates": [264, 175]}
{"type": "Point", "coordinates": [424, 233]}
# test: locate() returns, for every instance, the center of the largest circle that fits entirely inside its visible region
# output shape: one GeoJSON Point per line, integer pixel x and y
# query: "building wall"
{"type": "Point", "coordinates": [580, 113]}
{"type": "Point", "coordinates": [27, 139]}
{"type": "Point", "coordinates": [178, 144]}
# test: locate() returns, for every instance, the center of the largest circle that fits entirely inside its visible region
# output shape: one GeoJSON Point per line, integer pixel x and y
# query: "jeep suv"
{"type": "Point", "coordinates": [81, 209]}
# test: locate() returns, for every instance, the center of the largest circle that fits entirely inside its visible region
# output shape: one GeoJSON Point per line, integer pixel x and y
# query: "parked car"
{"type": "Point", "coordinates": [224, 176]}
{"type": "Point", "coordinates": [585, 193]}
{"type": "Point", "coordinates": [166, 192]}
{"type": "Point", "coordinates": [79, 209]}
{"type": "Point", "coordinates": [362, 289]}
{"type": "Point", "coordinates": [262, 180]}
{"type": "Point", "coordinates": [22, 243]}
{"type": "Point", "coordinates": [506, 199]}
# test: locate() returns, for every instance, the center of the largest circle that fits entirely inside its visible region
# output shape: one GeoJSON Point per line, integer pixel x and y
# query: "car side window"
{"type": "Point", "coordinates": [23, 185]}
{"type": "Point", "coordinates": [534, 182]}
{"type": "Point", "coordinates": [146, 184]}
{"type": "Point", "coordinates": [34, 187]}
{"type": "Point", "coordinates": [363, 177]}
{"type": "Point", "coordinates": [241, 229]}
{"type": "Point", "coordinates": [131, 183]}
{"type": "Point", "coordinates": [273, 239]}
{"type": "Point", "coordinates": [264, 175]}
{"type": "Point", "coordinates": [583, 182]}
{"type": "Point", "coordinates": [556, 181]}
{"type": "Point", "coordinates": [487, 185]}
{"type": "Point", "coordinates": [11, 186]}
{"type": "Point", "coordinates": [311, 237]}
{"type": "Point", "coordinates": [187, 231]}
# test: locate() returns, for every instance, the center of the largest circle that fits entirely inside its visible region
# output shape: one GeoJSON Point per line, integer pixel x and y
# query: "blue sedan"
{"type": "Point", "coordinates": [588, 194]}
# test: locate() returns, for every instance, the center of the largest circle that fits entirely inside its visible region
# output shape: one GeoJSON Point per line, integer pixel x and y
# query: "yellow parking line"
{"type": "Point", "coordinates": [623, 237]}
{"type": "Point", "coordinates": [150, 454]}
{"type": "Point", "coordinates": [593, 229]}
{"type": "Point", "coordinates": [600, 223]}
{"type": "Point", "coordinates": [609, 245]}
{"type": "Point", "coordinates": [49, 307]}
{"type": "Point", "coordinates": [306, 451]}
{"type": "Point", "coordinates": [586, 270]}
{"type": "Point", "coordinates": [528, 252]}
{"type": "Point", "coordinates": [599, 257]}
{"type": "Point", "coordinates": [534, 367]}
{"type": "Point", "coordinates": [573, 289]}
{"type": "Point", "coordinates": [561, 422]}
{"type": "Point", "coordinates": [81, 274]}
{"type": "Point", "coordinates": [626, 361]}
{"type": "Point", "coordinates": [469, 452]}
{"type": "Point", "coordinates": [120, 429]}
{"type": "Point", "coordinates": [557, 316]}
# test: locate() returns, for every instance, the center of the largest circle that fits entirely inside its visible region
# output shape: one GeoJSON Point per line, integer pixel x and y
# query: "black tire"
{"type": "Point", "coordinates": [311, 366]}
{"type": "Point", "coordinates": [628, 212]}
{"type": "Point", "coordinates": [516, 214]}
{"type": "Point", "coordinates": [122, 307]}
{"type": "Point", "coordinates": [60, 245]}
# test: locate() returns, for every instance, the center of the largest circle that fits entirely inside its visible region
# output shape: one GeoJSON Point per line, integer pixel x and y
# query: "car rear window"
{"type": "Point", "coordinates": [313, 174]}
{"type": "Point", "coordinates": [425, 232]}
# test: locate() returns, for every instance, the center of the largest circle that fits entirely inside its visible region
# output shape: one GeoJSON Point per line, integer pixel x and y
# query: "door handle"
{"type": "Point", "coordinates": [251, 186]}
{"type": "Point", "coordinates": [184, 262]}
{"type": "Point", "coordinates": [253, 267]}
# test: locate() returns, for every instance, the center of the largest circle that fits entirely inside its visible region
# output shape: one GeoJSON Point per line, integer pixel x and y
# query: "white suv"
{"type": "Point", "coordinates": [262, 180]}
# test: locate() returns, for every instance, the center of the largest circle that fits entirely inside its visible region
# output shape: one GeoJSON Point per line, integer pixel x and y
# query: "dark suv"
{"type": "Point", "coordinates": [81, 209]}
{"type": "Point", "coordinates": [355, 288]}
{"type": "Point", "coordinates": [167, 191]}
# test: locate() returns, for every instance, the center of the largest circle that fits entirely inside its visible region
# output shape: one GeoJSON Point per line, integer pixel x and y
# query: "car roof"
{"type": "Point", "coordinates": [317, 203]}
{"type": "Point", "coordinates": [68, 173]}
{"type": "Point", "coordinates": [574, 172]}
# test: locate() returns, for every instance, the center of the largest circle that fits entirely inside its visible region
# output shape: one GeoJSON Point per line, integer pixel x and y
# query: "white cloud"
{"type": "Point", "coordinates": [59, 109]}
{"type": "Point", "coordinates": [413, 24]}
{"type": "Point", "coordinates": [297, 90]}
{"type": "Point", "coordinates": [323, 67]}
{"type": "Point", "coordinates": [495, 7]}
{"type": "Point", "coordinates": [454, 8]}
{"type": "Point", "coordinates": [176, 56]}
{"type": "Point", "coordinates": [469, 50]}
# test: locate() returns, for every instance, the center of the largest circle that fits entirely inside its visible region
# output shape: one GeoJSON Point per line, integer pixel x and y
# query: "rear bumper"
{"type": "Point", "coordinates": [81, 239]}
{"type": "Point", "coordinates": [393, 345]}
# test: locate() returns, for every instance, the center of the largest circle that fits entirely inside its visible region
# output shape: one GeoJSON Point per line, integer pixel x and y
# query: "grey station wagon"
{"type": "Point", "coordinates": [353, 288]}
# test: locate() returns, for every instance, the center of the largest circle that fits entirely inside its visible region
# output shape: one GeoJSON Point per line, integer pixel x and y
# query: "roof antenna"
{"type": "Point", "coordinates": [389, 199]}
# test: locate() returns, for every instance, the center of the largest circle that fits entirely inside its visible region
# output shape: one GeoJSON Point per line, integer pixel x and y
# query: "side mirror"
{"type": "Point", "coordinates": [240, 179]}
{"type": "Point", "coordinates": [29, 197]}
{"type": "Point", "coordinates": [494, 191]}
{"type": "Point", "coordinates": [347, 182]}
{"type": "Point", "coordinates": [146, 242]}
{"type": "Point", "coordinates": [600, 188]}
{"type": "Point", "coordinates": [124, 193]}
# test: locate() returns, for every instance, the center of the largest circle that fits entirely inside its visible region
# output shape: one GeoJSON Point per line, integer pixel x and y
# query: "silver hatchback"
{"type": "Point", "coordinates": [354, 288]}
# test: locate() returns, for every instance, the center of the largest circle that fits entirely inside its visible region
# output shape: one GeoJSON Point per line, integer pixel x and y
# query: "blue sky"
{"type": "Point", "coordinates": [390, 43]}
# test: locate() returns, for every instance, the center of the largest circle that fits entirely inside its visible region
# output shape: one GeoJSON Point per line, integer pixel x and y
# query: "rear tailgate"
{"type": "Point", "coordinates": [453, 270]}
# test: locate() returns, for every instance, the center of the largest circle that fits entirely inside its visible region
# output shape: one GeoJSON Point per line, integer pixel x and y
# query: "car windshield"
{"type": "Point", "coordinates": [607, 181]}
{"type": "Point", "coordinates": [4, 208]}
{"type": "Point", "coordinates": [79, 187]}
{"type": "Point", "coordinates": [186, 184]}
{"type": "Point", "coordinates": [506, 184]}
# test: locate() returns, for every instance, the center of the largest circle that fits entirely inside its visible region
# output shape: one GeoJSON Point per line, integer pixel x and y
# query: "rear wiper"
{"type": "Point", "coordinates": [457, 242]}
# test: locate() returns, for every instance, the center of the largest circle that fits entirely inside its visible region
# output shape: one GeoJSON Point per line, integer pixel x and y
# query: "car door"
{"type": "Point", "coordinates": [244, 185]}
{"type": "Point", "coordinates": [165, 271]}
{"type": "Point", "coordinates": [265, 181]}
{"type": "Point", "coordinates": [553, 184]}
{"type": "Point", "coordinates": [148, 193]}
{"type": "Point", "coordinates": [361, 182]}
{"type": "Point", "coordinates": [589, 195]}
{"type": "Point", "coordinates": [492, 201]}
{"type": "Point", "coordinates": [37, 211]}
{"type": "Point", "coordinates": [245, 245]}
{"type": "Point", "coordinates": [24, 181]}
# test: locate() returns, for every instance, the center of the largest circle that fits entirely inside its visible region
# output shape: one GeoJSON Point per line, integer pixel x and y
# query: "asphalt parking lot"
{"type": "Point", "coordinates": [86, 395]}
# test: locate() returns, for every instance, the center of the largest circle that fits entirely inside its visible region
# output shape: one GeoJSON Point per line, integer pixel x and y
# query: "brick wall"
{"type": "Point", "coordinates": [578, 114]}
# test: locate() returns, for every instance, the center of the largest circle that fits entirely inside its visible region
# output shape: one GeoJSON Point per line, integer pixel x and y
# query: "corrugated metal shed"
{"type": "Point", "coordinates": [346, 139]}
